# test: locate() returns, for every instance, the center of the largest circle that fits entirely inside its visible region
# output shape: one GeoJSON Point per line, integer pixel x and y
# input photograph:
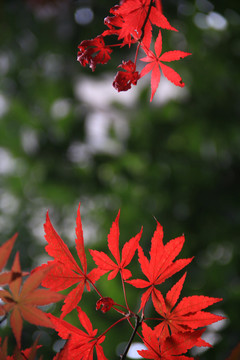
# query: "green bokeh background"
{"type": "Point", "coordinates": [177, 159]}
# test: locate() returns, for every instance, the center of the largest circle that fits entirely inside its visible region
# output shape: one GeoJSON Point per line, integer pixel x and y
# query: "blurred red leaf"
{"type": "Point", "coordinates": [22, 301]}
{"type": "Point", "coordinates": [5, 251]}
{"type": "Point", "coordinates": [93, 52]}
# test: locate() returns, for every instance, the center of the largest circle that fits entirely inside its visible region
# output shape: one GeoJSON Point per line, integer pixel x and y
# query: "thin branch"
{"type": "Point", "coordinates": [110, 327]}
{"type": "Point", "coordinates": [146, 19]}
{"type": "Point", "coordinates": [4, 318]}
{"type": "Point", "coordinates": [137, 324]}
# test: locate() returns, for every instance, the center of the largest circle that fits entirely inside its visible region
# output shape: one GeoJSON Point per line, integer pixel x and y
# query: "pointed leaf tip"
{"type": "Point", "coordinates": [5, 250]}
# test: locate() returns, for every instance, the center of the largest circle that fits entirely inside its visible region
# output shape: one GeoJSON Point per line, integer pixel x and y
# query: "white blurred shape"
{"type": "Point", "coordinates": [132, 353]}
{"type": "Point", "coordinates": [219, 325]}
{"type": "Point", "coordinates": [60, 108]}
{"type": "Point", "coordinates": [100, 93]}
{"type": "Point", "coordinates": [79, 153]}
{"type": "Point", "coordinates": [97, 129]}
{"type": "Point", "coordinates": [210, 337]}
{"type": "Point", "coordinates": [7, 163]}
{"type": "Point", "coordinates": [216, 21]}
{"type": "Point", "coordinates": [4, 63]}
{"type": "Point", "coordinates": [8, 203]}
{"type": "Point", "coordinates": [29, 141]}
{"type": "Point", "coordinates": [58, 345]}
{"type": "Point", "coordinates": [83, 16]}
{"type": "Point", "coordinates": [200, 21]}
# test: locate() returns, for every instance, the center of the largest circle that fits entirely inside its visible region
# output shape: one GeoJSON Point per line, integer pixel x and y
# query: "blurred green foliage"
{"type": "Point", "coordinates": [66, 136]}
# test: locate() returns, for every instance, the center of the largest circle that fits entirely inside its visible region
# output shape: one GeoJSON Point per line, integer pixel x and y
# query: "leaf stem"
{"type": "Point", "coordinates": [137, 324]}
{"type": "Point", "coordinates": [94, 287]}
{"type": "Point", "coordinates": [141, 320]}
{"type": "Point", "coordinates": [110, 327]}
{"type": "Point", "coordinates": [124, 291]}
{"type": "Point", "coordinates": [136, 55]}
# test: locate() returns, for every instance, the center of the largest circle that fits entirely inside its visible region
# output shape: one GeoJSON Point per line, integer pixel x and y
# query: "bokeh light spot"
{"type": "Point", "coordinates": [83, 16]}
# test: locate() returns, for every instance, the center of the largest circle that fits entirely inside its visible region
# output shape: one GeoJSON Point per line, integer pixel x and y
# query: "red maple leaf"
{"type": "Point", "coordinates": [114, 24]}
{"type": "Point", "coordinates": [186, 316]}
{"type": "Point", "coordinates": [139, 15]}
{"type": "Point", "coordinates": [160, 266]}
{"type": "Point", "coordinates": [3, 348]}
{"type": "Point", "coordinates": [29, 354]}
{"type": "Point", "coordinates": [106, 264]}
{"type": "Point", "coordinates": [66, 271]}
{"type": "Point", "coordinates": [18, 354]}
{"type": "Point", "coordinates": [22, 301]}
{"type": "Point", "coordinates": [171, 348]}
{"type": "Point", "coordinates": [80, 344]}
{"type": "Point", "coordinates": [5, 251]}
{"type": "Point", "coordinates": [124, 79]}
{"type": "Point", "coordinates": [155, 63]}
{"type": "Point", "coordinates": [93, 52]}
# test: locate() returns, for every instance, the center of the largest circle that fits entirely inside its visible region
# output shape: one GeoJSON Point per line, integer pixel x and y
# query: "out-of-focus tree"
{"type": "Point", "coordinates": [67, 136]}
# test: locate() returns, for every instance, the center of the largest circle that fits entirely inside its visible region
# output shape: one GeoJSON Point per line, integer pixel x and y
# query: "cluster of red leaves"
{"type": "Point", "coordinates": [132, 22]}
{"type": "Point", "coordinates": [175, 329]}
{"type": "Point", "coordinates": [29, 354]}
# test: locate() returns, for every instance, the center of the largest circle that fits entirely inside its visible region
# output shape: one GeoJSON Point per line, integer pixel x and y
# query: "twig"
{"type": "Point", "coordinates": [137, 324]}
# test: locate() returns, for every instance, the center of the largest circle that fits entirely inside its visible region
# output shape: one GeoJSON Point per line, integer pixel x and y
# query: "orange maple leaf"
{"type": "Point", "coordinates": [22, 301]}
{"type": "Point", "coordinates": [5, 251]}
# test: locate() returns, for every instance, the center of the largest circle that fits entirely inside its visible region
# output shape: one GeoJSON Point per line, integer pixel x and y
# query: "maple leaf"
{"type": "Point", "coordinates": [155, 63]}
{"type": "Point", "coordinates": [29, 354]}
{"type": "Point", "coordinates": [3, 349]}
{"type": "Point", "coordinates": [66, 272]}
{"type": "Point", "coordinates": [80, 344]}
{"type": "Point", "coordinates": [159, 5]}
{"type": "Point", "coordinates": [124, 79]}
{"type": "Point", "coordinates": [93, 52]}
{"type": "Point", "coordinates": [139, 15]}
{"type": "Point", "coordinates": [23, 302]}
{"type": "Point", "coordinates": [5, 251]}
{"type": "Point", "coordinates": [114, 24]}
{"type": "Point", "coordinates": [171, 348]}
{"type": "Point", "coordinates": [186, 316]}
{"type": "Point", "coordinates": [104, 262]}
{"type": "Point", "coordinates": [160, 266]}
